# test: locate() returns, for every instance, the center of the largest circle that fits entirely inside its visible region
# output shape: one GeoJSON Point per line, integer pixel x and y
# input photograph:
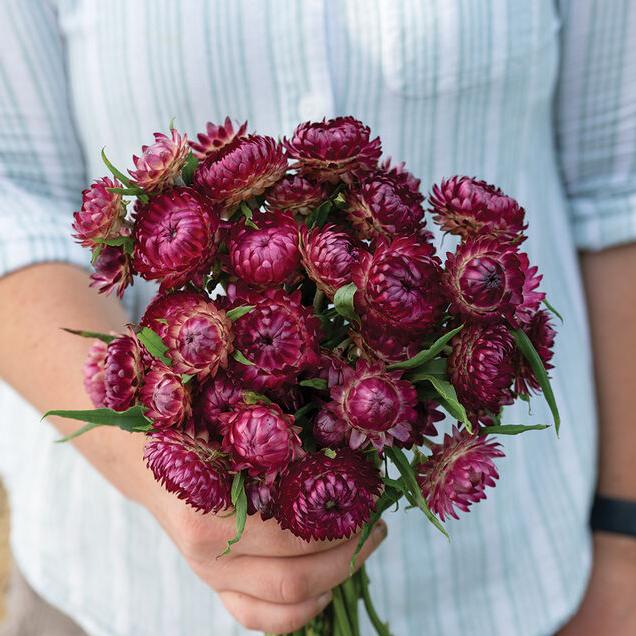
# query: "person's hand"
{"type": "Point", "coordinates": [608, 606]}
{"type": "Point", "coordinates": [271, 581]}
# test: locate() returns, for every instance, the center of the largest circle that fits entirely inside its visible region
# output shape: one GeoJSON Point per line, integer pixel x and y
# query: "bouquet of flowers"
{"type": "Point", "coordinates": [307, 341]}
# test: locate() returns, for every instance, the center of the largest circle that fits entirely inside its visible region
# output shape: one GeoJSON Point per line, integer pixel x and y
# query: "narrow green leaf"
{"type": "Point", "coordinates": [511, 429]}
{"type": "Point", "coordinates": [447, 397]}
{"type": "Point", "coordinates": [303, 411]}
{"type": "Point", "coordinates": [343, 302]}
{"type": "Point", "coordinates": [400, 461]}
{"type": "Point", "coordinates": [239, 500]}
{"type": "Point", "coordinates": [237, 312]}
{"type": "Point", "coordinates": [187, 172]}
{"type": "Point", "coordinates": [126, 242]}
{"type": "Point", "coordinates": [315, 383]}
{"type": "Point", "coordinates": [133, 191]}
{"type": "Point", "coordinates": [96, 335]}
{"type": "Point", "coordinates": [536, 364]}
{"type": "Point", "coordinates": [318, 217]}
{"type": "Point", "coordinates": [171, 123]}
{"type": "Point", "coordinates": [96, 251]}
{"type": "Point", "coordinates": [552, 309]}
{"type": "Point", "coordinates": [154, 344]}
{"type": "Point", "coordinates": [116, 173]}
{"type": "Point", "coordinates": [252, 397]}
{"type": "Point", "coordinates": [248, 214]}
{"type": "Point", "coordinates": [132, 420]}
{"type": "Point", "coordinates": [427, 354]}
{"type": "Point", "coordinates": [186, 377]}
{"type": "Point", "coordinates": [239, 357]}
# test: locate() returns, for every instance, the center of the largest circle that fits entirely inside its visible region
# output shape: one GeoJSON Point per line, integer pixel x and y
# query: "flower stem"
{"type": "Point", "coordinates": [380, 627]}
{"type": "Point", "coordinates": [351, 597]}
{"type": "Point", "coordinates": [319, 298]}
{"type": "Point", "coordinates": [342, 620]}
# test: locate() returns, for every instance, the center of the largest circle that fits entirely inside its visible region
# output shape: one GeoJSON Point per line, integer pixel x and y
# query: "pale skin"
{"type": "Point", "coordinates": [271, 581]}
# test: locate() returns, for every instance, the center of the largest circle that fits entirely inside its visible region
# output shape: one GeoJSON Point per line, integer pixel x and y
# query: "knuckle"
{"type": "Point", "coordinates": [293, 587]}
{"type": "Point", "coordinates": [289, 621]}
{"type": "Point", "coordinates": [194, 535]}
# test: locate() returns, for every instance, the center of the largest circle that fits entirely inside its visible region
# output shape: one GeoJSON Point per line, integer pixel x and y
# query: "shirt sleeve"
{"type": "Point", "coordinates": [41, 166]}
{"type": "Point", "coordinates": [596, 119]}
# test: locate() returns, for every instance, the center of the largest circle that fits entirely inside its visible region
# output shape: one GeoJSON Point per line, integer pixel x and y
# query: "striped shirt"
{"type": "Point", "coordinates": [537, 96]}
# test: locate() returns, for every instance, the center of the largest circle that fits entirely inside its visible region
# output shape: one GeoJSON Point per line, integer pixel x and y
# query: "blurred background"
{"type": "Point", "coordinates": [5, 559]}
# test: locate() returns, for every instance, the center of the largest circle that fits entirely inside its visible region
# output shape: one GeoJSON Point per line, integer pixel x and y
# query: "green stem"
{"type": "Point", "coordinates": [380, 627]}
{"type": "Point", "coordinates": [342, 620]}
{"type": "Point", "coordinates": [319, 298]}
{"type": "Point", "coordinates": [351, 597]}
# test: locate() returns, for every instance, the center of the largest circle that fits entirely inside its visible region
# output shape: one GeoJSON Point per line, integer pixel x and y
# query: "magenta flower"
{"type": "Point", "coordinates": [321, 497]}
{"type": "Point", "coordinates": [174, 238]}
{"type": "Point", "coordinates": [471, 208]}
{"type": "Point", "coordinates": [542, 335]}
{"type": "Point", "coordinates": [458, 472]}
{"type": "Point", "coordinates": [334, 150]}
{"type": "Point", "coordinates": [161, 162]}
{"type": "Point", "coordinates": [329, 428]}
{"type": "Point", "coordinates": [122, 372]}
{"type": "Point", "coordinates": [217, 396]}
{"type": "Point", "coordinates": [376, 405]}
{"type": "Point", "coordinates": [94, 373]}
{"type": "Point", "coordinates": [101, 215]}
{"type": "Point", "coordinates": [166, 399]}
{"type": "Point", "coordinates": [113, 271]}
{"type": "Point", "coordinates": [297, 194]}
{"type": "Point", "coordinates": [261, 438]}
{"type": "Point", "coordinates": [216, 137]}
{"type": "Point", "coordinates": [192, 468]}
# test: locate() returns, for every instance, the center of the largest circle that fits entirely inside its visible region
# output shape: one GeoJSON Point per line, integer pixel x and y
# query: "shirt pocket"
{"type": "Point", "coordinates": [446, 46]}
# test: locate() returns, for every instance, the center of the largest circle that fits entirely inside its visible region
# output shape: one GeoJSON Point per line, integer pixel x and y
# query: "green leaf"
{"type": "Point", "coordinates": [239, 357]}
{"type": "Point", "coordinates": [96, 335]}
{"type": "Point", "coordinates": [400, 461]}
{"type": "Point", "coordinates": [237, 312]}
{"type": "Point", "coordinates": [171, 124]}
{"type": "Point", "coordinates": [127, 242]}
{"type": "Point", "coordinates": [303, 411]}
{"type": "Point", "coordinates": [343, 302]}
{"type": "Point", "coordinates": [189, 167]}
{"type": "Point", "coordinates": [186, 377]}
{"type": "Point", "coordinates": [132, 420]}
{"type": "Point", "coordinates": [319, 216]}
{"type": "Point", "coordinates": [116, 173]}
{"type": "Point", "coordinates": [252, 397]}
{"type": "Point", "coordinates": [329, 452]}
{"type": "Point", "coordinates": [248, 213]}
{"type": "Point", "coordinates": [239, 501]}
{"type": "Point", "coordinates": [389, 497]}
{"type": "Point", "coordinates": [536, 364]}
{"type": "Point", "coordinates": [552, 309]}
{"type": "Point", "coordinates": [511, 429]}
{"type": "Point", "coordinates": [154, 344]}
{"type": "Point", "coordinates": [447, 397]}
{"type": "Point", "coordinates": [427, 354]}
{"type": "Point", "coordinates": [315, 383]}
{"type": "Point", "coordinates": [132, 191]}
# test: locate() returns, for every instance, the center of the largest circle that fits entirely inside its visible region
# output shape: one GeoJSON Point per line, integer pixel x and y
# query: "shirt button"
{"type": "Point", "coordinates": [312, 107]}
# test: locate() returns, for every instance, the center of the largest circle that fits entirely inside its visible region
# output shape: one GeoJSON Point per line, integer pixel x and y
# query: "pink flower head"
{"type": "Point", "coordinates": [458, 472]}
{"type": "Point", "coordinates": [122, 372]}
{"type": "Point", "coordinates": [159, 312]}
{"type": "Point", "coordinates": [470, 208]}
{"type": "Point", "coordinates": [403, 177]}
{"type": "Point", "coordinates": [376, 405]}
{"type": "Point", "coordinates": [240, 170]}
{"type": "Point", "coordinates": [260, 498]}
{"type": "Point", "coordinates": [174, 238]}
{"type": "Point", "coordinates": [166, 399]}
{"type": "Point", "coordinates": [387, 345]}
{"type": "Point", "coordinates": [161, 162]}
{"type": "Point", "coordinates": [297, 194]}
{"type": "Point", "coordinates": [101, 215]}
{"type": "Point", "coordinates": [199, 339]}
{"type": "Point", "coordinates": [480, 367]}
{"type": "Point", "coordinates": [428, 414]}
{"type": "Point", "coordinates": [261, 438]}
{"type": "Point", "coordinates": [329, 428]}
{"type": "Point", "coordinates": [216, 137]}
{"type": "Point", "coordinates": [328, 255]}
{"type": "Point", "coordinates": [484, 280]}
{"type": "Point", "coordinates": [321, 497]}
{"type": "Point", "coordinates": [113, 271]}
{"type": "Point", "coordinates": [94, 373]}
{"type": "Point", "coordinates": [266, 256]}
{"type": "Point", "coordinates": [279, 337]}
{"type": "Point", "coordinates": [384, 206]}
{"type": "Point", "coordinates": [400, 285]}
{"type": "Point", "coordinates": [217, 396]}
{"type": "Point", "coordinates": [334, 150]}
{"type": "Point", "coordinates": [192, 468]}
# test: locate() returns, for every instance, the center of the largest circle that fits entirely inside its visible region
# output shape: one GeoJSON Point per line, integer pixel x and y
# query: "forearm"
{"type": "Point", "coordinates": [610, 280]}
{"type": "Point", "coordinates": [44, 363]}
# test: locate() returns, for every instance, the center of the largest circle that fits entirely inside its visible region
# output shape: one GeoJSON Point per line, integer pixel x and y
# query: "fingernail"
{"type": "Point", "coordinates": [324, 600]}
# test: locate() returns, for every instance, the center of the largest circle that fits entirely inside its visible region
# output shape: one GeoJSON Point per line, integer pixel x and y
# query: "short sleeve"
{"type": "Point", "coordinates": [596, 119]}
{"type": "Point", "coordinates": [41, 166]}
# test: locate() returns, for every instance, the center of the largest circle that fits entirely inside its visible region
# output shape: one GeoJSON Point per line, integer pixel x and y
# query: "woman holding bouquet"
{"type": "Point", "coordinates": [535, 96]}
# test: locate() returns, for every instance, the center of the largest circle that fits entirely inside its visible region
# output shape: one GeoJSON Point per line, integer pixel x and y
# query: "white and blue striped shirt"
{"type": "Point", "coordinates": [537, 96]}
